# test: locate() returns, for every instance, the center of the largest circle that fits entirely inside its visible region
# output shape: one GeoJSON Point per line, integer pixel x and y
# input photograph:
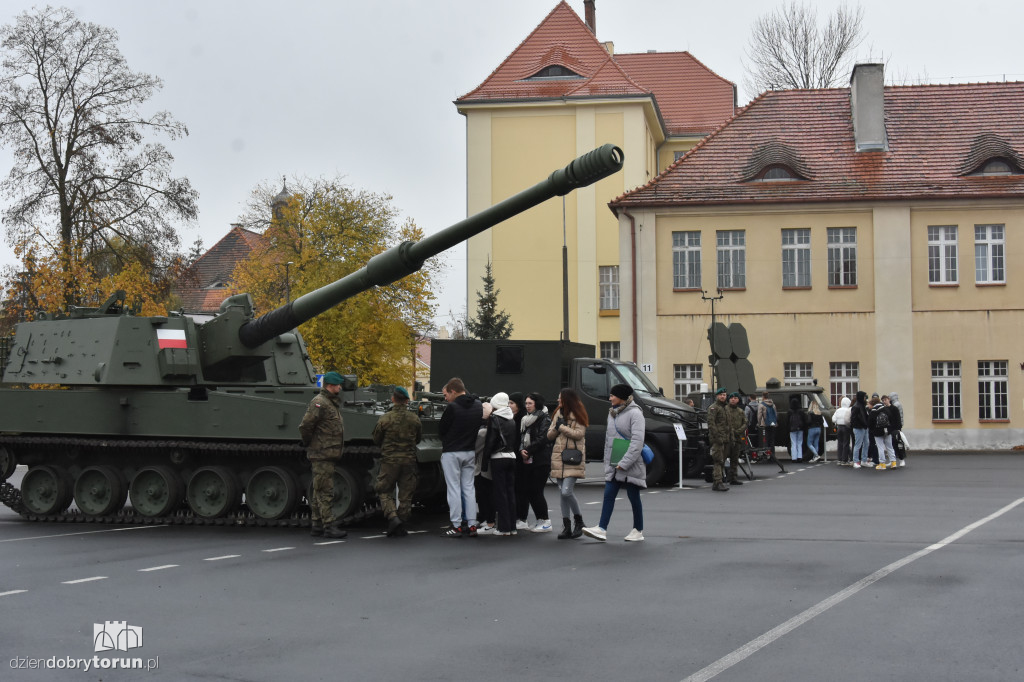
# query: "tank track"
{"type": "Point", "coordinates": [11, 496]}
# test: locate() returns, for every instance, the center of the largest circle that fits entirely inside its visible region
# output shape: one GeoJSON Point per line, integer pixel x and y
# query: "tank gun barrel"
{"type": "Point", "coordinates": [408, 257]}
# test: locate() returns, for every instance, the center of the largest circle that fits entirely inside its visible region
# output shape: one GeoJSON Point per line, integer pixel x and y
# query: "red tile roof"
{"type": "Point", "coordinates": [933, 131]}
{"type": "Point", "coordinates": [202, 288]}
{"type": "Point", "coordinates": [691, 98]}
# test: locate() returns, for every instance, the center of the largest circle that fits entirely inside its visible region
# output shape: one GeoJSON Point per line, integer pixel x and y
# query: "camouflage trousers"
{"type": "Point", "coordinates": [721, 452]}
{"type": "Point", "coordinates": [403, 472]}
{"type": "Point", "coordinates": [322, 505]}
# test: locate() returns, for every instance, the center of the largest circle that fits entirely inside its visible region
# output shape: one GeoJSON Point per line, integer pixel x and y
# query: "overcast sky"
{"type": "Point", "coordinates": [364, 88]}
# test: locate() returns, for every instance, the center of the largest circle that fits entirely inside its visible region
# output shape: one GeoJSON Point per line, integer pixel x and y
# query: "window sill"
{"type": "Point", "coordinates": [947, 421]}
{"type": "Point", "coordinates": [993, 421]}
{"type": "Point", "coordinates": [690, 289]}
{"type": "Point", "coordinates": [842, 286]}
{"type": "Point", "coordinates": [990, 284]}
{"type": "Point", "coordinates": [609, 313]}
{"type": "Point", "coordinates": [732, 288]}
{"type": "Point", "coordinates": [941, 285]}
{"type": "Point", "coordinates": [785, 288]}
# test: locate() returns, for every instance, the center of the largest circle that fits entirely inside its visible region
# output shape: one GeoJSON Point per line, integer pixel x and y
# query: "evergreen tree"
{"type": "Point", "coordinates": [490, 323]}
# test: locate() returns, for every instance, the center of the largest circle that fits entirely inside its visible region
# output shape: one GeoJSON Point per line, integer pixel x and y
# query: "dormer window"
{"type": "Point", "coordinates": [777, 174]}
{"type": "Point", "coordinates": [997, 167]}
{"type": "Point", "coordinates": [555, 72]}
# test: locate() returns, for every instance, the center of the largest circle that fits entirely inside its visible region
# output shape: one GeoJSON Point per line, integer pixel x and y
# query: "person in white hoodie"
{"type": "Point", "coordinates": [841, 418]}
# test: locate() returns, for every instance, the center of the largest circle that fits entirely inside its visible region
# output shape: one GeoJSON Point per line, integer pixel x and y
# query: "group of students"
{"type": "Point", "coordinates": [875, 426]}
{"type": "Point", "coordinates": [497, 457]}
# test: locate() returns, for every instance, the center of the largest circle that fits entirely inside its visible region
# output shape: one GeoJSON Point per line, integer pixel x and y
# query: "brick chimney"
{"type": "Point", "coordinates": [590, 14]}
{"type": "Point", "coordinates": [867, 105]}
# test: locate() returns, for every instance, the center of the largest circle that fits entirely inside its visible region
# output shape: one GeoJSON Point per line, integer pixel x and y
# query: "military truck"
{"type": "Point", "coordinates": [780, 396]}
{"type": "Point", "coordinates": [191, 417]}
{"type": "Point", "coordinates": [546, 367]}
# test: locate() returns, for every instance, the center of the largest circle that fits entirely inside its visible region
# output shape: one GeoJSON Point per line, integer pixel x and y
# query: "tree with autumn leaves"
{"type": "Point", "coordinates": [92, 205]}
{"type": "Point", "coordinates": [322, 232]}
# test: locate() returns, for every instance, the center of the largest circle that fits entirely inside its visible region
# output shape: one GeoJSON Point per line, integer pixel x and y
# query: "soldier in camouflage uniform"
{"type": "Point", "coordinates": [397, 434]}
{"type": "Point", "coordinates": [737, 429]}
{"type": "Point", "coordinates": [323, 434]}
{"type": "Point", "coordinates": [719, 433]}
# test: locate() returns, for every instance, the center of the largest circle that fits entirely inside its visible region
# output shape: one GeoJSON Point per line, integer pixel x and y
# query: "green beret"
{"type": "Point", "coordinates": [400, 391]}
{"type": "Point", "coordinates": [721, 390]}
{"type": "Point", "coordinates": [734, 394]}
{"type": "Point", "coordinates": [333, 378]}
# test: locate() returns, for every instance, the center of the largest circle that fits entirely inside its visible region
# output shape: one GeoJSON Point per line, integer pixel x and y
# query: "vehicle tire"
{"type": "Point", "coordinates": [8, 463]}
{"type": "Point", "coordinates": [694, 462]}
{"type": "Point", "coordinates": [656, 469]}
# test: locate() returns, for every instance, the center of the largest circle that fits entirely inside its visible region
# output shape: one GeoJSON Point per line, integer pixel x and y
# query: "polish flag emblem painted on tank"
{"type": "Point", "coordinates": [171, 338]}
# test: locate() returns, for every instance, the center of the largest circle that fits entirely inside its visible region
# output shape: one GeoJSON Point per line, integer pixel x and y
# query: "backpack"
{"type": "Point", "coordinates": [771, 418]}
{"type": "Point", "coordinates": [882, 419]}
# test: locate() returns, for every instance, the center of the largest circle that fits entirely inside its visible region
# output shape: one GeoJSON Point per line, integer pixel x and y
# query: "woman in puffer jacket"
{"type": "Point", "coordinates": [626, 422]}
{"type": "Point", "coordinates": [568, 431]}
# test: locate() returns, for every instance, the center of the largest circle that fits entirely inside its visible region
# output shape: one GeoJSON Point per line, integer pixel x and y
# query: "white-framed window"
{"type": "Point", "coordinates": [946, 390]}
{"type": "Point", "coordinates": [842, 256]}
{"type": "Point", "coordinates": [609, 286]}
{"type": "Point", "coordinates": [688, 379]}
{"type": "Point", "coordinates": [942, 254]}
{"type": "Point", "coordinates": [989, 246]}
{"type": "Point", "coordinates": [843, 381]}
{"type": "Point", "coordinates": [686, 260]}
{"type": "Point", "coordinates": [610, 350]}
{"type": "Point", "coordinates": [797, 373]}
{"type": "Point", "coordinates": [796, 257]}
{"type": "Point", "coordinates": [732, 259]}
{"type": "Point", "coordinates": [993, 391]}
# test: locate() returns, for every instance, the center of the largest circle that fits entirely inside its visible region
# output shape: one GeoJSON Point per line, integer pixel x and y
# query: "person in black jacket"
{"type": "Point", "coordinates": [534, 464]}
{"type": "Point", "coordinates": [796, 429]}
{"type": "Point", "coordinates": [859, 424]}
{"type": "Point", "coordinates": [457, 428]}
{"type": "Point", "coordinates": [895, 426]}
{"type": "Point", "coordinates": [500, 454]}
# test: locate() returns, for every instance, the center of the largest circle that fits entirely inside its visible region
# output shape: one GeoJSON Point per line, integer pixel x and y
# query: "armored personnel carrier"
{"type": "Point", "coordinates": [195, 420]}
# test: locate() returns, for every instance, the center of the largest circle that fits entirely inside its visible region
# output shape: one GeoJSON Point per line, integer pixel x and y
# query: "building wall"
{"type": "Point", "coordinates": [893, 323]}
{"type": "Point", "coordinates": [512, 147]}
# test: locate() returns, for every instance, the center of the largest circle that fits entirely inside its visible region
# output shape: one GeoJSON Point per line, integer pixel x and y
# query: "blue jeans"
{"type": "Point", "coordinates": [860, 445]}
{"type": "Point", "coordinates": [458, 477]}
{"type": "Point", "coordinates": [611, 490]}
{"type": "Point", "coordinates": [796, 445]}
{"type": "Point", "coordinates": [570, 505]}
{"type": "Point", "coordinates": [813, 436]}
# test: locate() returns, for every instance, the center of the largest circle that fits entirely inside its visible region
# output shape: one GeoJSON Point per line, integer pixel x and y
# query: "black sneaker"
{"type": "Point", "coordinates": [471, 532]}
{"type": "Point", "coordinates": [453, 532]}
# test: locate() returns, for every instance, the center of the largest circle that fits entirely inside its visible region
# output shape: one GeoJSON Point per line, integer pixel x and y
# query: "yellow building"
{"type": "Point", "coordinates": [559, 94]}
{"type": "Point", "coordinates": [865, 239]}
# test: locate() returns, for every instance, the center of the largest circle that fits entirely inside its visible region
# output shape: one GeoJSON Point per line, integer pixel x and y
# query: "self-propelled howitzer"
{"type": "Point", "coordinates": [184, 414]}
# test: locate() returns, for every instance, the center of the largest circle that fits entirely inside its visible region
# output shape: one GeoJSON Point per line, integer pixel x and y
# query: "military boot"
{"type": "Point", "coordinates": [394, 523]}
{"type": "Point", "coordinates": [316, 530]}
{"type": "Point", "coordinates": [720, 488]}
{"type": "Point", "coordinates": [566, 529]}
{"type": "Point", "coordinates": [577, 527]}
{"type": "Point", "coordinates": [332, 531]}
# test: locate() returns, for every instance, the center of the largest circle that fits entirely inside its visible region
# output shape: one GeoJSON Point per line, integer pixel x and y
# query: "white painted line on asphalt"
{"type": "Point", "coordinates": [416, 531]}
{"type": "Point", "coordinates": [598, 502]}
{"type": "Point", "coordinates": [226, 556]}
{"type": "Point", "coordinates": [754, 645]}
{"type": "Point", "coordinates": [84, 580]}
{"type": "Point", "coordinates": [329, 542]}
{"type": "Point", "coordinates": [372, 537]}
{"type": "Point", "coordinates": [84, 532]}
{"type": "Point", "coordinates": [278, 549]}
{"type": "Point", "coordinates": [652, 492]}
{"type": "Point", "coordinates": [4, 594]}
{"type": "Point", "coordinates": [157, 568]}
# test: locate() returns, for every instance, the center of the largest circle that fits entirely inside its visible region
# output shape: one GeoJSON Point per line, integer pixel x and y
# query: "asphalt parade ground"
{"type": "Point", "coordinates": [822, 573]}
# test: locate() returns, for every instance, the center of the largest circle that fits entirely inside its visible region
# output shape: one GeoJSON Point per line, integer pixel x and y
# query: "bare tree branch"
{"type": "Point", "coordinates": [788, 49]}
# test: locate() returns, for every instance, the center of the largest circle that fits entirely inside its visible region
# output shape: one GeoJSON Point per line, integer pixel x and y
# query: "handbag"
{"type": "Point", "coordinates": [572, 457]}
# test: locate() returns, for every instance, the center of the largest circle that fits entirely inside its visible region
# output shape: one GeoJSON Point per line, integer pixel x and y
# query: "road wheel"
{"type": "Point", "coordinates": [46, 490]}
{"type": "Point", "coordinates": [213, 492]}
{"type": "Point", "coordinates": [271, 493]}
{"type": "Point", "coordinates": [656, 469]}
{"type": "Point", "coordinates": [156, 491]}
{"type": "Point", "coordinates": [7, 463]}
{"type": "Point", "coordinates": [100, 491]}
{"type": "Point", "coordinates": [348, 493]}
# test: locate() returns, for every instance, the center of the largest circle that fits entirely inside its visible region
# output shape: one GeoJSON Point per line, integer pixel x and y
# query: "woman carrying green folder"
{"type": "Point", "coordinates": [623, 462]}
